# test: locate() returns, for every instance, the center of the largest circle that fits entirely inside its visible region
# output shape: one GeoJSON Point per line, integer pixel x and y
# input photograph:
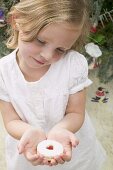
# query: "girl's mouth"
{"type": "Point", "coordinates": [39, 62]}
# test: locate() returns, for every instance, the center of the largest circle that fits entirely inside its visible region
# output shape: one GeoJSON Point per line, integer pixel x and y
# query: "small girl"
{"type": "Point", "coordinates": [43, 87]}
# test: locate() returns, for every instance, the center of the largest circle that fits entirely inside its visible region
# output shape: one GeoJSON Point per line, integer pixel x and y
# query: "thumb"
{"type": "Point", "coordinates": [74, 140]}
{"type": "Point", "coordinates": [22, 144]}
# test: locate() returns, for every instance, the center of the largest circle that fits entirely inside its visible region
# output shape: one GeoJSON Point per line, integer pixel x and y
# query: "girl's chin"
{"type": "Point", "coordinates": [38, 66]}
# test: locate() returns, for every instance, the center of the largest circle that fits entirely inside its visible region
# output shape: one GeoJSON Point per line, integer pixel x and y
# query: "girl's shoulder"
{"type": "Point", "coordinates": [7, 60]}
{"type": "Point", "coordinates": [73, 63]}
{"type": "Point", "coordinates": [76, 58]}
{"type": "Point", "coordinates": [78, 72]}
{"type": "Point", "coordinates": [76, 62]}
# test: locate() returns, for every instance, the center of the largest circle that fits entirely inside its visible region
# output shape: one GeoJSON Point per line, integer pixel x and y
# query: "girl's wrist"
{"type": "Point", "coordinates": [35, 130]}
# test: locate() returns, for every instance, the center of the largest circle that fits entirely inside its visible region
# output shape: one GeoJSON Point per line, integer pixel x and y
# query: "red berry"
{"type": "Point", "coordinates": [50, 147]}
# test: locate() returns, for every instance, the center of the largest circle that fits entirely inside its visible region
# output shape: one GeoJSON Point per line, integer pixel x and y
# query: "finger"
{"type": "Point", "coordinates": [60, 159]}
{"type": "Point", "coordinates": [50, 162]}
{"type": "Point", "coordinates": [38, 162]}
{"type": "Point", "coordinates": [21, 146]}
{"type": "Point", "coordinates": [31, 157]}
{"type": "Point", "coordinates": [53, 162]}
{"type": "Point", "coordinates": [46, 162]}
{"type": "Point", "coordinates": [74, 140]}
{"type": "Point", "coordinates": [35, 163]}
{"type": "Point", "coordinates": [68, 153]}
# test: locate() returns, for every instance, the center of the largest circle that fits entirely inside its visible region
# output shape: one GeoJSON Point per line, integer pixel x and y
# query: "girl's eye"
{"type": "Point", "coordinates": [61, 51]}
{"type": "Point", "coordinates": [40, 42]}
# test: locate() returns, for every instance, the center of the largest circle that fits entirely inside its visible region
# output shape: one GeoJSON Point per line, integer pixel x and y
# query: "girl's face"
{"type": "Point", "coordinates": [51, 43]}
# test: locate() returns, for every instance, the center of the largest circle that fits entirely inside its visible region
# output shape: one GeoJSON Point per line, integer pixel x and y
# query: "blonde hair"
{"type": "Point", "coordinates": [33, 15]}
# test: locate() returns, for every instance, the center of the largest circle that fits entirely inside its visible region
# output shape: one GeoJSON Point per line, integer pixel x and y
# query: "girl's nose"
{"type": "Point", "coordinates": [47, 53]}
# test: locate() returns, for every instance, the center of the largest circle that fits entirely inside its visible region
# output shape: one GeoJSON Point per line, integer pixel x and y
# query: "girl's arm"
{"type": "Point", "coordinates": [29, 137]}
{"type": "Point", "coordinates": [63, 131]}
{"type": "Point", "coordinates": [13, 124]}
{"type": "Point", "coordinates": [75, 112]}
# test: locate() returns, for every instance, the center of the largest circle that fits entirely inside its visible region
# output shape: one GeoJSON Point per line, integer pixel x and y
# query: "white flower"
{"type": "Point", "coordinates": [93, 50]}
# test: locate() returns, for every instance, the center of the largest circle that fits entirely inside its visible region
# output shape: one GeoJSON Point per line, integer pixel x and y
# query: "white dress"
{"type": "Point", "coordinates": [42, 103]}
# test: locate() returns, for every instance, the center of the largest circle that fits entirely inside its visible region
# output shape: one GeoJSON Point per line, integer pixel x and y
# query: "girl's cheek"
{"type": "Point", "coordinates": [57, 57]}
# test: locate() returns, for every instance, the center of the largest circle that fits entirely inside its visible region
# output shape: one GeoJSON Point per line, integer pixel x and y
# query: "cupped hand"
{"type": "Point", "coordinates": [28, 145]}
{"type": "Point", "coordinates": [67, 139]}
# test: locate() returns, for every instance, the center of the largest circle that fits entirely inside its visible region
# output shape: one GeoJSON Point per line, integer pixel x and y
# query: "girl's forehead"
{"type": "Point", "coordinates": [60, 26]}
